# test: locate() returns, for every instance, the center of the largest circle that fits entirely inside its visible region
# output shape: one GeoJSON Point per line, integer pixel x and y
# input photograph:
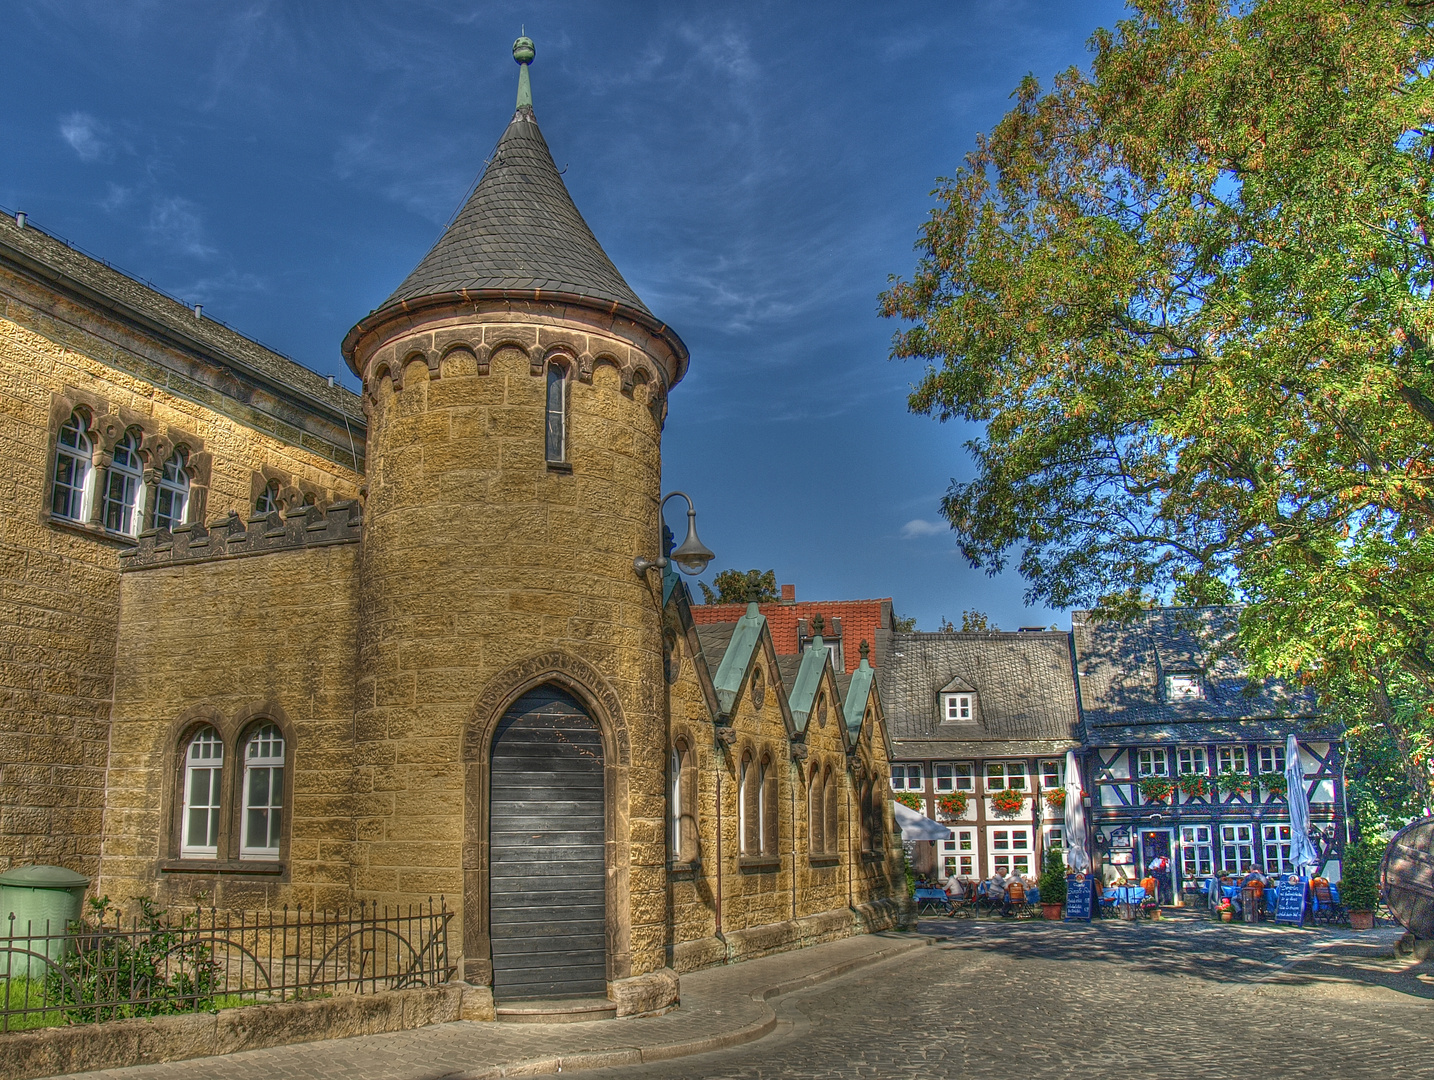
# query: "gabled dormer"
{"type": "Point", "coordinates": [957, 703]}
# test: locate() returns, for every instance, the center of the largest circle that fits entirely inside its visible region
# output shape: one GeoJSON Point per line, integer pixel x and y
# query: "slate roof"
{"type": "Point", "coordinates": [520, 231]}
{"type": "Point", "coordinates": [1122, 668]}
{"type": "Point", "coordinates": [1025, 692]}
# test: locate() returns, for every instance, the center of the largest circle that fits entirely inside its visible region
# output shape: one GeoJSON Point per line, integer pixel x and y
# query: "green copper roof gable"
{"type": "Point", "coordinates": [857, 693]}
{"type": "Point", "coordinates": [738, 657]}
{"type": "Point", "coordinates": [808, 682]}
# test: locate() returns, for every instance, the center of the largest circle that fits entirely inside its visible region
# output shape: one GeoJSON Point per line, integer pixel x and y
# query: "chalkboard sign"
{"type": "Point", "coordinates": [1079, 888]}
{"type": "Point", "coordinates": [1290, 900]}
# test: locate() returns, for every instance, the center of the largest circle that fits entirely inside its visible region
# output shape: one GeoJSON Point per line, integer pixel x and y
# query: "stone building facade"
{"type": "Point", "coordinates": [268, 642]}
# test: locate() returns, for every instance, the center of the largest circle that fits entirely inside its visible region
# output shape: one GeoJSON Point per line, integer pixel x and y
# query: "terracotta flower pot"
{"type": "Point", "coordinates": [1361, 920]}
{"type": "Point", "coordinates": [1227, 916]}
{"type": "Point", "coordinates": [1052, 911]}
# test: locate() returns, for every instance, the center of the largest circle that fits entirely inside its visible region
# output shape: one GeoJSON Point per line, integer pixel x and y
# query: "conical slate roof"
{"type": "Point", "coordinates": [520, 231]}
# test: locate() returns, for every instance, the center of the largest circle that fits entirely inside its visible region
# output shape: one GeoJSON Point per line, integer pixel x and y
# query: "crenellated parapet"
{"type": "Point", "coordinates": [235, 538]}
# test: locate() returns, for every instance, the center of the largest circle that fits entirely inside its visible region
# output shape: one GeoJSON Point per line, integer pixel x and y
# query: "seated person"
{"type": "Point", "coordinates": [995, 887]}
{"type": "Point", "coordinates": [1255, 881]}
{"type": "Point", "coordinates": [1015, 894]}
{"type": "Point", "coordinates": [955, 890]}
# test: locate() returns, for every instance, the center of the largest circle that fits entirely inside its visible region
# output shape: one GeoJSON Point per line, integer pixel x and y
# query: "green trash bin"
{"type": "Point", "coordinates": [37, 905]}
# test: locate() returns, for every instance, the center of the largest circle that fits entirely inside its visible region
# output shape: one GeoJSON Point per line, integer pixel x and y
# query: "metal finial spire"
{"type": "Point", "coordinates": [523, 53]}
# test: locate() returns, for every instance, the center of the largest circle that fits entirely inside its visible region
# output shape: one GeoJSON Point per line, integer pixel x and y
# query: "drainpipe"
{"type": "Point", "coordinates": [719, 851]}
{"type": "Point", "coordinates": [793, 788]}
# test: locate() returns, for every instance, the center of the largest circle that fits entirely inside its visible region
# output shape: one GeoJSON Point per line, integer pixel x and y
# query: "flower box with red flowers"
{"type": "Point", "coordinates": [1008, 802]}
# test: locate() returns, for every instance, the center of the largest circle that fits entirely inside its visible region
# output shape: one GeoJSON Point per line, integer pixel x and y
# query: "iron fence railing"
{"type": "Point", "coordinates": [204, 959]}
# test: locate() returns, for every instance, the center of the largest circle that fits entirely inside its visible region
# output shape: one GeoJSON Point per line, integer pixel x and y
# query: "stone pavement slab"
{"type": "Point", "coordinates": [721, 1008]}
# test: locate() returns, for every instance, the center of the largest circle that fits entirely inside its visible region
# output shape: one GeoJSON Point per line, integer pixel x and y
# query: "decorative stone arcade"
{"type": "Point", "coordinates": [510, 661]}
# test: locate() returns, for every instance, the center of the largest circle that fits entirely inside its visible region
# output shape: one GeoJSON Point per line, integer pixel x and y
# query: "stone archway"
{"type": "Point", "coordinates": [547, 839]}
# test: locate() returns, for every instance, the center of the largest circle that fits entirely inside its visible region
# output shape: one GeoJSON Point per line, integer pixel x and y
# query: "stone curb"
{"type": "Point", "coordinates": [638, 1055]}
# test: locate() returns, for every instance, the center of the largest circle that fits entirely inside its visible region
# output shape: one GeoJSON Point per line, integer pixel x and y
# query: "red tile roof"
{"type": "Point", "coordinates": [860, 619]}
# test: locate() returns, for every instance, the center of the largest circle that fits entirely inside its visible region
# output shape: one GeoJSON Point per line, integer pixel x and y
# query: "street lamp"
{"type": "Point", "coordinates": [691, 556]}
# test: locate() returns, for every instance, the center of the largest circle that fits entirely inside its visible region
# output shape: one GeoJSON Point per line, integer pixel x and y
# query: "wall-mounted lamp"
{"type": "Point", "coordinates": [691, 556]}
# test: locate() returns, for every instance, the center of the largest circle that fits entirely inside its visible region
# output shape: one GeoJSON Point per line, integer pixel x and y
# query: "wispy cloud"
{"type": "Point", "coordinates": [85, 134]}
{"type": "Point", "coordinates": [919, 527]}
{"type": "Point", "coordinates": [176, 222]}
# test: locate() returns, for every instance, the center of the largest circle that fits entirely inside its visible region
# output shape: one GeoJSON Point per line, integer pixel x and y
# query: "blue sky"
{"type": "Point", "coordinates": [755, 170]}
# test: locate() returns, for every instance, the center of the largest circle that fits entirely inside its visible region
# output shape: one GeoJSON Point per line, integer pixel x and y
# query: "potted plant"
{"type": "Point", "coordinates": [912, 801]}
{"type": "Point", "coordinates": [1359, 883]}
{"type": "Point", "coordinates": [1194, 785]}
{"type": "Point", "coordinates": [1056, 799]}
{"type": "Point", "coordinates": [1156, 788]}
{"type": "Point", "coordinates": [1008, 802]}
{"type": "Point", "coordinates": [1052, 884]}
{"type": "Point", "coordinates": [1227, 911]}
{"type": "Point", "coordinates": [953, 807]}
{"type": "Point", "coordinates": [1275, 783]}
{"type": "Point", "coordinates": [1231, 782]}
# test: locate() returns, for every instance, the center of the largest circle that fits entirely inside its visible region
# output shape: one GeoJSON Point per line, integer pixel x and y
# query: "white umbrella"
{"type": "Point", "coordinates": [1302, 852]}
{"type": "Point", "coordinates": [1077, 846]}
{"type": "Point", "coordinates": [916, 826]}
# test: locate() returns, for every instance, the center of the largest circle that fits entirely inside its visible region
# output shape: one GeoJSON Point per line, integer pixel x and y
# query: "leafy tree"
{"type": "Point", "coordinates": [976, 620]}
{"type": "Point", "coordinates": [1381, 800]}
{"type": "Point", "coordinates": [905, 624]}
{"type": "Point", "coordinates": [1187, 293]}
{"type": "Point", "coordinates": [735, 587]}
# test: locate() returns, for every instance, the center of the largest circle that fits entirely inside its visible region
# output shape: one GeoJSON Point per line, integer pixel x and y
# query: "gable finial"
{"type": "Point", "coordinates": [865, 649]}
{"type": "Point", "coordinates": [523, 53]}
{"type": "Point", "coordinates": [818, 624]}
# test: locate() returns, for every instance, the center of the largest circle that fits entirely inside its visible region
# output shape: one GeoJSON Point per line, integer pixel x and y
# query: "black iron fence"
{"type": "Point", "coordinates": [203, 959]}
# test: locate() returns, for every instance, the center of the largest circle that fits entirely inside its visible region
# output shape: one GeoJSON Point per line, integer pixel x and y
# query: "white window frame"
{"type": "Point", "coordinates": [1237, 847]}
{"type": "Point", "coordinates": [74, 450]}
{"type": "Point", "coordinates": [203, 765]}
{"type": "Point", "coordinates": [747, 764]}
{"type": "Point", "coordinates": [1193, 761]}
{"type": "Point", "coordinates": [961, 852]}
{"type": "Point", "coordinates": [124, 490]}
{"type": "Point", "coordinates": [674, 804]}
{"type": "Point", "coordinates": [555, 415]}
{"type": "Point", "coordinates": [1053, 774]}
{"type": "Point", "coordinates": [172, 492]}
{"type": "Point", "coordinates": [1003, 774]}
{"type": "Point", "coordinates": [908, 778]}
{"type": "Point", "coordinates": [1008, 846]}
{"type": "Point", "coordinates": [1053, 836]}
{"type": "Point", "coordinates": [1277, 839]}
{"type": "Point", "coordinates": [264, 754]}
{"type": "Point", "coordinates": [1272, 758]}
{"type": "Point", "coordinates": [952, 776]}
{"type": "Point", "coordinates": [1197, 852]}
{"type": "Point", "coordinates": [1152, 761]}
{"type": "Point", "coordinates": [1184, 687]}
{"type": "Point", "coordinates": [958, 708]}
{"type": "Point", "coordinates": [1232, 758]}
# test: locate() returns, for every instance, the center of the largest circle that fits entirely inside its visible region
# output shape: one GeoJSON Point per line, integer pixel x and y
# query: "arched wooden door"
{"type": "Point", "coordinates": [547, 867]}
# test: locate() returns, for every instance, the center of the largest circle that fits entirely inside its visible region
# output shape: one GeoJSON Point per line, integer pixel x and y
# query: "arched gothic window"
{"type": "Point", "coordinates": [268, 500]}
{"type": "Point", "coordinates": [831, 785]}
{"type": "Point", "coordinates": [749, 823]}
{"type": "Point", "coordinates": [72, 470]}
{"type": "Point", "coordinates": [557, 413]}
{"type": "Point", "coordinates": [864, 813]}
{"type": "Point", "coordinates": [263, 793]}
{"type": "Point", "coordinates": [171, 500]}
{"type": "Point", "coordinates": [126, 482]}
{"type": "Point", "coordinates": [203, 767]}
{"type": "Point", "coordinates": [770, 803]}
{"type": "Point", "coordinates": [684, 803]}
{"type": "Point", "coordinates": [816, 812]}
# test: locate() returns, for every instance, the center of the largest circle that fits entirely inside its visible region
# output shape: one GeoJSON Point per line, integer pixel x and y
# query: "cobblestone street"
{"type": "Point", "coordinates": [1035, 1000]}
{"type": "Point", "coordinates": [1181, 998]}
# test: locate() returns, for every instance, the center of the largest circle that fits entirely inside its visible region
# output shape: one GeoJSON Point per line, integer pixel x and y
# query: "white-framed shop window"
{"type": "Point", "coordinates": [1053, 837]}
{"type": "Point", "coordinates": [1009, 849]}
{"type": "Point", "coordinates": [203, 766]}
{"type": "Point", "coordinates": [958, 708]}
{"type": "Point", "coordinates": [1237, 848]}
{"type": "Point", "coordinates": [1277, 846]}
{"type": "Point", "coordinates": [1053, 774]}
{"type": "Point", "coordinates": [1152, 762]}
{"type": "Point", "coordinates": [263, 793]}
{"type": "Point", "coordinates": [954, 776]}
{"type": "Point", "coordinates": [1192, 760]}
{"type": "Point", "coordinates": [1232, 759]}
{"type": "Point", "coordinates": [1197, 856]}
{"type": "Point", "coordinates": [1272, 759]}
{"type": "Point", "coordinates": [907, 778]}
{"type": "Point", "coordinates": [1003, 774]}
{"type": "Point", "coordinates": [958, 853]}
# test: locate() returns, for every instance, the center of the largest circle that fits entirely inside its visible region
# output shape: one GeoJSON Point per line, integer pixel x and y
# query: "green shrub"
{"type": "Point", "coordinates": [1053, 878]}
{"type": "Point", "coordinates": [1359, 882]}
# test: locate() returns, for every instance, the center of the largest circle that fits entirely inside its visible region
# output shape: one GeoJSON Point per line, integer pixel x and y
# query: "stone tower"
{"type": "Point", "coordinates": [509, 657]}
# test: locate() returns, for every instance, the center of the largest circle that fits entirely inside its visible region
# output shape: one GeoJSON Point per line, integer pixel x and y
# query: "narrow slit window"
{"type": "Point", "coordinates": [72, 470]}
{"type": "Point", "coordinates": [816, 812]}
{"type": "Point", "coordinates": [263, 793]}
{"type": "Point", "coordinates": [171, 500]}
{"type": "Point", "coordinates": [126, 481]}
{"type": "Point", "coordinates": [557, 414]}
{"type": "Point", "coordinates": [268, 500]}
{"type": "Point", "coordinates": [831, 819]}
{"type": "Point", "coordinates": [203, 766]}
